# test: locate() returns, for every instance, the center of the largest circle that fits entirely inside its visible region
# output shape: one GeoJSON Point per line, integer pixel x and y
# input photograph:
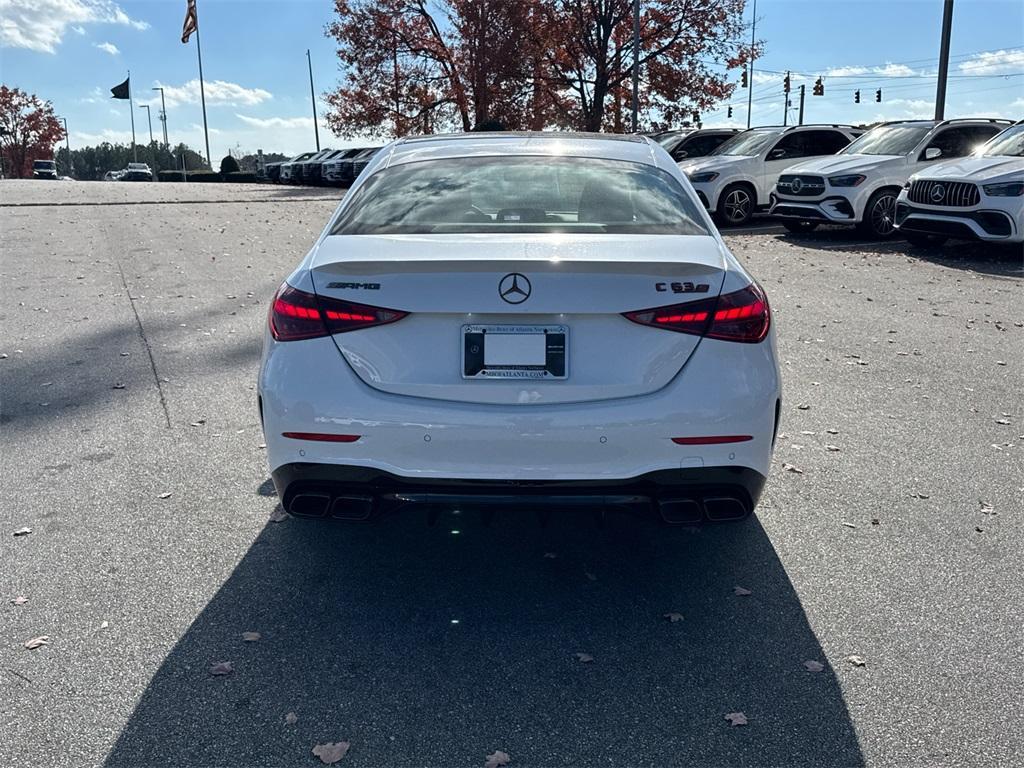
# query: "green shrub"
{"type": "Point", "coordinates": [243, 177]}
{"type": "Point", "coordinates": [229, 165]}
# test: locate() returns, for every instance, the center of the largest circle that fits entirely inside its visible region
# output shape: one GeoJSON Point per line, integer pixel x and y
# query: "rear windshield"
{"type": "Point", "coordinates": [46, 164]}
{"type": "Point", "coordinates": [520, 194]}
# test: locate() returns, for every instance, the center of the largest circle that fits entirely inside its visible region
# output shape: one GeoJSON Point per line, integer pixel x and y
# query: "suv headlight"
{"type": "Point", "coordinates": [846, 181]}
{"type": "Point", "coordinates": [1006, 189]}
{"type": "Point", "coordinates": [703, 178]}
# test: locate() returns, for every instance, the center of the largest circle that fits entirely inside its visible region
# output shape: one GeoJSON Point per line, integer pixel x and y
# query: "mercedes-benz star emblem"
{"type": "Point", "coordinates": [797, 184]}
{"type": "Point", "coordinates": [938, 192]}
{"type": "Point", "coordinates": [514, 288]}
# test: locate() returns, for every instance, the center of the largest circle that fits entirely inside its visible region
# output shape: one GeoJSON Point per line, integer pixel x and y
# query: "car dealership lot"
{"type": "Point", "coordinates": [132, 336]}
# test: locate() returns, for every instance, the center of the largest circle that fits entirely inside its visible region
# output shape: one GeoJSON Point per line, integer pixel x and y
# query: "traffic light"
{"type": "Point", "coordinates": [878, 95]}
{"type": "Point", "coordinates": [819, 88]}
{"type": "Point", "coordinates": [743, 78]}
{"type": "Point", "coordinates": [729, 113]}
{"type": "Point", "coordinates": [696, 117]}
{"type": "Point", "coordinates": [856, 97]}
{"type": "Point", "coordinates": [785, 83]}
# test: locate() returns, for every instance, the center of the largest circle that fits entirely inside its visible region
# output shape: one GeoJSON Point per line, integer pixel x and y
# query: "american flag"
{"type": "Point", "coordinates": [191, 21]}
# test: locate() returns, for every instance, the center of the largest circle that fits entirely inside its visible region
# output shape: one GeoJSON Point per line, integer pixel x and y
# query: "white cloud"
{"type": "Point", "coordinates": [108, 47]}
{"type": "Point", "coordinates": [993, 63]}
{"type": "Point", "coordinates": [95, 96]}
{"type": "Point", "coordinates": [78, 30]}
{"type": "Point", "coordinates": [218, 93]}
{"type": "Point", "coordinates": [887, 70]}
{"type": "Point", "coordinates": [284, 123]}
{"type": "Point", "coordinates": [40, 25]}
{"type": "Point", "coordinates": [1017, 104]}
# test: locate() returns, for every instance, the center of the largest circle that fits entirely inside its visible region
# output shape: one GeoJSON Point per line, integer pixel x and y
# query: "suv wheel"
{"type": "Point", "coordinates": [797, 227]}
{"type": "Point", "coordinates": [924, 240]}
{"type": "Point", "coordinates": [880, 214]}
{"type": "Point", "coordinates": [736, 205]}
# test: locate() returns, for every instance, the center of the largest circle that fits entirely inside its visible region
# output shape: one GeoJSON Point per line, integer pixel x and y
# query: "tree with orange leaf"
{"type": "Point", "coordinates": [28, 131]}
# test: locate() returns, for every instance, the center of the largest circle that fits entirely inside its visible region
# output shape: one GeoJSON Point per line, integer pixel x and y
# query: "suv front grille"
{"type": "Point", "coordinates": [952, 194]}
{"type": "Point", "coordinates": [800, 186]}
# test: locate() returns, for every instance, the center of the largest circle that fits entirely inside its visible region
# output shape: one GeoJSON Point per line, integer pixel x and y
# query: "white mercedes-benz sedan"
{"type": "Point", "coordinates": [527, 320]}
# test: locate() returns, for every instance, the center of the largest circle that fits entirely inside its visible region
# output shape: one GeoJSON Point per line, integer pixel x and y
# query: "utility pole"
{"type": "Point", "coordinates": [750, 68]}
{"type": "Point", "coordinates": [67, 145]}
{"type": "Point", "coordinates": [312, 96]}
{"type": "Point", "coordinates": [149, 116]}
{"type": "Point", "coordinates": [636, 62]}
{"type": "Point", "coordinates": [802, 87]}
{"type": "Point", "coordinates": [947, 29]}
{"type": "Point", "coordinates": [163, 114]}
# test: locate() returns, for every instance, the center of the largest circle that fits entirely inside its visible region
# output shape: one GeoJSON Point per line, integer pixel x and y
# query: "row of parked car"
{"type": "Point", "coordinates": [930, 180]}
{"type": "Point", "coordinates": [334, 167]}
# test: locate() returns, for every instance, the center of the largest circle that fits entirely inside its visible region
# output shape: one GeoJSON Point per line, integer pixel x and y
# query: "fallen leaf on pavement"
{"type": "Point", "coordinates": [986, 508]}
{"type": "Point", "coordinates": [119, 385]}
{"type": "Point", "coordinates": [832, 448]}
{"type": "Point", "coordinates": [832, 431]}
{"type": "Point", "coordinates": [1002, 421]}
{"type": "Point", "coordinates": [250, 637]}
{"type": "Point", "coordinates": [803, 406]}
{"type": "Point", "coordinates": [584, 658]}
{"type": "Point", "coordinates": [792, 468]}
{"type": "Point", "coordinates": [37, 642]}
{"type": "Point", "coordinates": [741, 591]}
{"type": "Point", "coordinates": [814, 666]}
{"type": "Point", "coordinates": [850, 525]}
{"type": "Point", "coordinates": [497, 759]}
{"type": "Point", "coordinates": [331, 753]}
{"type": "Point", "coordinates": [222, 668]}
{"type": "Point", "coordinates": [875, 521]}
{"type": "Point", "coordinates": [23, 531]}
{"type": "Point", "coordinates": [20, 600]}
{"type": "Point", "coordinates": [291, 718]}
{"type": "Point", "coordinates": [918, 495]}
{"type": "Point", "coordinates": [857, 661]}
{"type": "Point", "coordinates": [165, 495]}
{"type": "Point", "coordinates": [278, 515]}
{"type": "Point", "coordinates": [736, 718]}
{"type": "Point", "coordinates": [673, 617]}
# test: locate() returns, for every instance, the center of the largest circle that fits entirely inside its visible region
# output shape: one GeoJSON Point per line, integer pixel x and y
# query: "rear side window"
{"type": "Point", "coordinates": [699, 146]}
{"type": "Point", "coordinates": [824, 142]}
{"type": "Point", "coordinates": [520, 194]}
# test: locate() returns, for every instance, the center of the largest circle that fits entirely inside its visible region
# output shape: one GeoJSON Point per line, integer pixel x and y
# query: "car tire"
{"type": "Point", "coordinates": [736, 205]}
{"type": "Point", "coordinates": [924, 240]}
{"type": "Point", "coordinates": [798, 227]}
{"type": "Point", "coordinates": [880, 215]}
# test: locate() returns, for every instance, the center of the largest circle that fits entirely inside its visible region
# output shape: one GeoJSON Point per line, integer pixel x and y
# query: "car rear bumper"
{"type": "Point", "coordinates": [360, 494]}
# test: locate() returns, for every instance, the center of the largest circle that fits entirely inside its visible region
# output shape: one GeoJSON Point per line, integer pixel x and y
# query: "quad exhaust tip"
{"type": "Point", "coordinates": [710, 508]}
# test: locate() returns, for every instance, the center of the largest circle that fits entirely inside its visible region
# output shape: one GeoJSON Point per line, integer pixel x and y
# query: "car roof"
{"type": "Point", "coordinates": [608, 146]}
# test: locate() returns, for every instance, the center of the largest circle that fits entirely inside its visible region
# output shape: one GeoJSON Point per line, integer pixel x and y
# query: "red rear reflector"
{"type": "Point", "coordinates": [322, 437]}
{"type": "Point", "coordinates": [296, 315]}
{"type": "Point", "coordinates": [738, 316]}
{"type": "Point", "coordinates": [712, 439]}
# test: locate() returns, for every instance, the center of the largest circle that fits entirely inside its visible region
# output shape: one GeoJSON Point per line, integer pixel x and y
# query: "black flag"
{"type": "Point", "coordinates": [121, 91]}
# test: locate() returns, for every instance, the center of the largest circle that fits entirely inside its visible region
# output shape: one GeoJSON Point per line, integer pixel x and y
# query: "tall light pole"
{"type": "Point", "coordinates": [750, 68]}
{"type": "Point", "coordinates": [149, 115]}
{"type": "Point", "coordinates": [947, 29]}
{"type": "Point", "coordinates": [163, 114]}
{"type": "Point", "coordinates": [312, 96]}
{"type": "Point", "coordinates": [636, 62]}
{"type": "Point", "coordinates": [67, 145]}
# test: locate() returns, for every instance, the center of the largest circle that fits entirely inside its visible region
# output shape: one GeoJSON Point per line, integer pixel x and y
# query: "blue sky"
{"type": "Point", "coordinates": [73, 51]}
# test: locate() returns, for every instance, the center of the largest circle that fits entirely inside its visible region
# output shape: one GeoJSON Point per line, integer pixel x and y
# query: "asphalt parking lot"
{"type": "Point", "coordinates": [890, 531]}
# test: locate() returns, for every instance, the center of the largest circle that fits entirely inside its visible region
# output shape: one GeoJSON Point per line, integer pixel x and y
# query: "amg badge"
{"type": "Point", "coordinates": [364, 286]}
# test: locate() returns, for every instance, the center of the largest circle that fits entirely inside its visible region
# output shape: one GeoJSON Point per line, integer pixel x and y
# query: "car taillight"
{"type": "Point", "coordinates": [742, 316]}
{"type": "Point", "coordinates": [296, 315]}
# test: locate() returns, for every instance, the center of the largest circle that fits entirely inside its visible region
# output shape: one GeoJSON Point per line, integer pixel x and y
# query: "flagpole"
{"type": "Point", "coordinates": [202, 93]}
{"type": "Point", "coordinates": [131, 108]}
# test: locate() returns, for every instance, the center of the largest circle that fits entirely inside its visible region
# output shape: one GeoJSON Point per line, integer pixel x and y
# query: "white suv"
{"type": "Point", "coordinates": [738, 177]}
{"type": "Point", "coordinates": [979, 197]}
{"type": "Point", "coordinates": [860, 184]}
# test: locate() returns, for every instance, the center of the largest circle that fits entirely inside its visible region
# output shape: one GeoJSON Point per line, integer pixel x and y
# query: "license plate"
{"type": "Point", "coordinates": [514, 351]}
